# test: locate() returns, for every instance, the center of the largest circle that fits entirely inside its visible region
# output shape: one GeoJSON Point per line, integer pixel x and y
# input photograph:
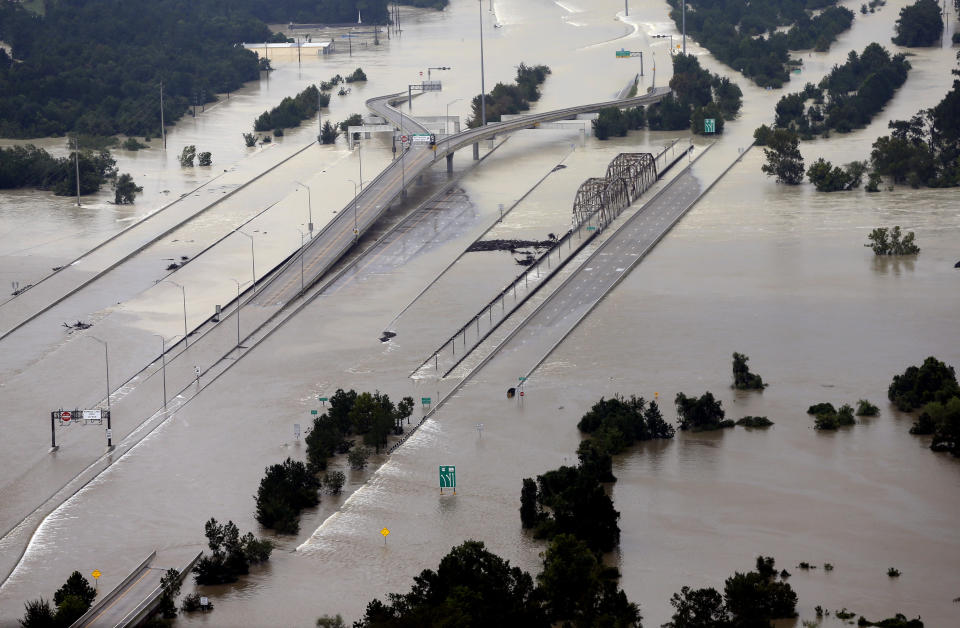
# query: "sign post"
{"type": "Point", "coordinates": [96, 578]}
{"type": "Point", "coordinates": [448, 478]}
{"type": "Point", "coordinates": [323, 400]}
{"type": "Point", "coordinates": [385, 532]}
{"type": "Point", "coordinates": [709, 125]}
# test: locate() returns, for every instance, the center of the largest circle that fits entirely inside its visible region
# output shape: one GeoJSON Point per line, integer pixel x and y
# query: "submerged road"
{"type": "Point", "coordinates": [375, 199]}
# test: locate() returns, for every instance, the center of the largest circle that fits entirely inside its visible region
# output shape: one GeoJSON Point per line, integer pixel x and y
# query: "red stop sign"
{"type": "Point", "coordinates": [65, 416]}
{"type": "Point", "coordinates": [521, 393]}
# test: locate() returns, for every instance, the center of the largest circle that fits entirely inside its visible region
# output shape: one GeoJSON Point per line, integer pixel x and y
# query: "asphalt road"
{"type": "Point", "coordinates": [584, 288]}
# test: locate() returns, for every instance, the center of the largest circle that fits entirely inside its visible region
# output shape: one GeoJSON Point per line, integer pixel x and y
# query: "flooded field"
{"type": "Point", "coordinates": [774, 272]}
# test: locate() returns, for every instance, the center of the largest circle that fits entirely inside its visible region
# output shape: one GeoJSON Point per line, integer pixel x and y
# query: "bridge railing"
{"type": "Point", "coordinates": [452, 352]}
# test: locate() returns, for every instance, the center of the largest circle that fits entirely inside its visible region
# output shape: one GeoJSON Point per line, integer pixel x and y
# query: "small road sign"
{"type": "Point", "coordinates": [322, 399]}
{"type": "Point", "coordinates": [109, 433]}
{"type": "Point", "coordinates": [522, 379]}
{"type": "Point", "coordinates": [709, 125]}
{"type": "Point", "coordinates": [591, 228]}
{"type": "Point", "coordinates": [385, 532]}
{"type": "Point", "coordinates": [296, 430]}
{"type": "Point", "coordinates": [313, 412]}
{"type": "Point", "coordinates": [96, 574]}
{"type": "Point", "coordinates": [66, 415]}
{"type": "Point", "coordinates": [521, 393]}
{"type": "Point", "coordinates": [425, 401]}
{"type": "Point", "coordinates": [403, 138]}
{"type": "Point", "coordinates": [448, 477]}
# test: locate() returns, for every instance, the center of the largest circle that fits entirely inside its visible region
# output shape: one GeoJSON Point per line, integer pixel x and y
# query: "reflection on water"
{"type": "Point", "coordinates": [777, 273]}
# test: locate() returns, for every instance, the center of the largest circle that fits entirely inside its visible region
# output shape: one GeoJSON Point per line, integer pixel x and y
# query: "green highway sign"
{"type": "Point", "coordinates": [448, 476]}
{"type": "Point", "coordinates": [709, 125]}
{"type": "Point", "coordinates": [425, 400]}
{"type": "Point", "coordinates": [522, 379]}
{"type": "Point", "coordinates": [323, 399]}
{"type": "Point", "coordinates": [591, 228]}
{"type": "Point", "coordinates": [313, 412]}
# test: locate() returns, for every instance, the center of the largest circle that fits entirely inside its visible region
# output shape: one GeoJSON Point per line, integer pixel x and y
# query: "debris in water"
{"type": "Point", "coordinates": [511, 245]}
{"type": "Point", "coordinates": [78, 325]}
{"type": "Point", "coordinates": [387, 335]}
{"type": "Point", "coordinates": [173, 266]}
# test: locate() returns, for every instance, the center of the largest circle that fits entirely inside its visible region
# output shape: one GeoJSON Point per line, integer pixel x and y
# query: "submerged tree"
{"type": "Point", "coordinates": [125, 189]}
{"type": "Point", "coordinates": [784, 160]}
{"type": "Point", "coordinates": [743, 379]}
{"type": "Point", "coordinates": [884, 242]}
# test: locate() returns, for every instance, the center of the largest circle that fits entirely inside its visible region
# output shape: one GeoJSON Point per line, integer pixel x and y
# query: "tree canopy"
{"type": "Point", "coordinates": [104, 78]}
{"type": "Point", "coordinates": [933, 381]}
{"type": "Point", "coordinates": [919, 24]}
{"type": "Point", "coordinates": [748, 36]}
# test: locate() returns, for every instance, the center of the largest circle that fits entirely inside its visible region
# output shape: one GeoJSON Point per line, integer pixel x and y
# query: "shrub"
{"type": "Point", "coordinates": [743, 379]}
{"type": "Point", "coordinates": [705, 413]}
{"type": "Point", "coordinates": [755, 421]}
{"type": "Point", "coordinates": [334, 481]}
{"type": "Point", "coordinates": [358, 457]}
{"type": "Point", "coordinates": [865, 408]}
{"type": "Point", "coordinates": [932, 381]}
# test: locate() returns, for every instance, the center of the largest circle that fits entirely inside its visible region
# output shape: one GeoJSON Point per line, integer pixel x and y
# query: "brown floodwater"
{"type": "Point", "coordinates": [774, 272]}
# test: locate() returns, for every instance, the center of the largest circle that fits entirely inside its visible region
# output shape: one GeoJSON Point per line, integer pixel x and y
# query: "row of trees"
{"type": "Point", "coordinates": [697, 95]}
{"type": "Point", "coordinates": [96, 66]}
{"type": "Point", "coordinates": [511, 99]}
{"type": "Point", "coordinates": [848, 97]}
{"type": "Point", "coordinates": [748, 37]}
{"type": "Point", "coordinates": [292, 111]}
{"type": "Point", "coordinates": [30, 166]}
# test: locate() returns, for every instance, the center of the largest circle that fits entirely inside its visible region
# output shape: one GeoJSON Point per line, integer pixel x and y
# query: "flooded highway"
{"type": "Point", "coordinates": [777, 273]}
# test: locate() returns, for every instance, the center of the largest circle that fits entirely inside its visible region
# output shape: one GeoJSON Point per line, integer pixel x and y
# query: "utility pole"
{"type": "Point", "coordinates": [483, 90]}
{"type": "Point", "coordinates": [76, 161]}
{"type": "Point", "coordinates": [626, 8]}
{"type": "Point", "coordinates": [684, 26]}
{"type": "Point", "coordinates": [163, 129]}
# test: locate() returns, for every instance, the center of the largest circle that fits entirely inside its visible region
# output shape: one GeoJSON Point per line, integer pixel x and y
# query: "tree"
{"type": "Point", "coordinates": [250, 140]}
{"type": "Point", "coordinates": [933, 381]}
{"type": "Point", "coordinates": [205, 158]}
{"type": "Point", "coordinates": [334, 481]}
{"type": "Point", "coordinates": [577, 587]}
{"type": "Point", "coordinates": [231, 555]}
{"type": "Point", "coordinates": [328, 133]}
{"type": "Point", "coordinates": [884, 242]}
{"type": "Point", "coordinates": [78, 586]}
{"type": "Point", "coordinates": [38, 615]}
{"type": "Point", "coordinates": [698, 608]}
{"type": "Point", "coordinates": [529, 509]}
{"type": "Point", "coordinates": [944, 422]}
{"type": "Point", "coordinates": [705, 413]}
{"type": "Point", "coordinates": [125, 189]}
{"type": "Point", "coordinates": [284, 491]}
{"type": "Point", "coordinates": [187, 156]}
{"type": "Point", "coordinates": [170, 583]}
{"type": "Point", "coordinates": [356, 76]}
{"type": "Point", "coordinates": [471, 587]}
{"type": "Point", "coordinates": [784, 160]}
{"type": "Point", "coordinates": [743, 379]}
{"type": "Point", "coordinates": [358, 457]}
{"type": "Point", "coordinates": [327, 621]}
{"type": "Point", "coordinates": [920, 24]}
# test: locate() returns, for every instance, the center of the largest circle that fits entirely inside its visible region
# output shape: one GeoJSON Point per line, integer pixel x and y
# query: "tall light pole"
{"type": "Point", "coordinates": [76, 161]}
{"type": "Point", "coordinates": [356, 230]}
{"type": "Point", "coordinates": [186, 341]}
{"type": "Point", "coordinates": [483, 89]}
{"type": "Point", "coordinates": [684, 26]}
{"type": "Point", "coordinates": [301, 261]}
{"type": "Point", "coordinates": [163, 359]}
{"type": "Point", "coordinates": [309, 208]}
{"type": "Point", "coordinates": [106, 357]}
{"type": "Point", "coordinates": [253, 259]}
{"type": "Point", "coordinates": [239, 284]}
{"type": "Point", "coordinates": [446, 122]}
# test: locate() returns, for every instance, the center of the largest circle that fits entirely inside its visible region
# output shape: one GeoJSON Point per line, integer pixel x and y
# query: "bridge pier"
{"type": "Point", "coordinates": [476, 151]}
{"type": "Point", "coordinates": [450, 163]}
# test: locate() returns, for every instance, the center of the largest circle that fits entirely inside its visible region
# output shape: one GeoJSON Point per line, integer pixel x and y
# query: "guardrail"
{"type": "Point", "coordinates": [113, 593]}
{"type": "Point", "coordinates": [147, 606]}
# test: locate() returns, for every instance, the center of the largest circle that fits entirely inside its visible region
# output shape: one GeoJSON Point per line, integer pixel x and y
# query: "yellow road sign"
{"type": "Point", "coordinates": [96, 574]}
{"type": "Point", "coordinates": [384, 532]}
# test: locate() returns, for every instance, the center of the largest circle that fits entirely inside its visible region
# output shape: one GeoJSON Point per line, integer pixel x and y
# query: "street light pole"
{"type": "Point", "coordinates": [253, 260]}
{"type": "Point", "coordinates": [309, 208]}
{"type": "Point", "coordinates": [684, 26]}
{"type": "Point", "coordinates": [186, 342]}
{"type": "Point", "coordinates": [446, 122]}
{"type": "Point", "coordinates": [483, 89]}
{"type": "Point", "coordinates": [238, 308]}
{"type": "Point", "coordinates": [356, 230]}
{"type": "Point", "coordinates": [106, 357]}
{"type": "Point", "coordinates": [301, 261]}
